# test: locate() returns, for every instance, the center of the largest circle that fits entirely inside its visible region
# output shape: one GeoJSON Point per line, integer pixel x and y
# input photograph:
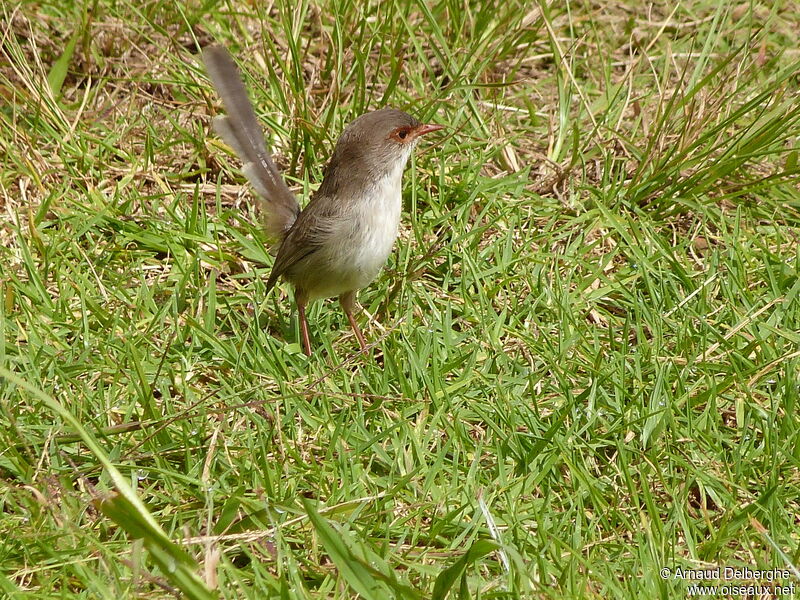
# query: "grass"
{"type": "Point", "coordinates": [586, 347]}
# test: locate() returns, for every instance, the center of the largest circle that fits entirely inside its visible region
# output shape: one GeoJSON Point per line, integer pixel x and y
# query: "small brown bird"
{"type": "Point", "coordinates": [341, 240]}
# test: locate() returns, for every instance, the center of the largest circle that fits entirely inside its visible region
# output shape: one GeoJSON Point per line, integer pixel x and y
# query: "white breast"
{"type": "Point", "coordinates": [360, 242]}
{"type": "Point", "coordinates": [379, 220]}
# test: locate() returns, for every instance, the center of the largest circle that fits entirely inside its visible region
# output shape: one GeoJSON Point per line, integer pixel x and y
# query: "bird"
{"type": "Point", "coordinates": [340, 241]}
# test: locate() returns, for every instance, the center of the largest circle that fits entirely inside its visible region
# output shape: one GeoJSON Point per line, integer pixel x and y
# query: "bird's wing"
{"type": "Point", "coordinates": [239, 129]}
{"type": "Point", "coordinates": [311, 231]}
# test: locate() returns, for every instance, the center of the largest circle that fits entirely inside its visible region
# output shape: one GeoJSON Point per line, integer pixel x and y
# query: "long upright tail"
{"type": "Point", "coordinates": [240, 130]}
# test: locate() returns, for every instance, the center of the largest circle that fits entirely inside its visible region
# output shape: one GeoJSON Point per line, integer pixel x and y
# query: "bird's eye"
{"type": "Point", "coordinates": [401, 134]}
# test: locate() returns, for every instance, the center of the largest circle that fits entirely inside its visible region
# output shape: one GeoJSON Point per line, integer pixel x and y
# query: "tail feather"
{"type": "Point", "coordinates": [240, 129]}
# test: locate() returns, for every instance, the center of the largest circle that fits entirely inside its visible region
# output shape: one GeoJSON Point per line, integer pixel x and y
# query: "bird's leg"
{"type": "Point", "coordinates": [348, 302]}
{"type": "Point", "coordinates": [301, 300]}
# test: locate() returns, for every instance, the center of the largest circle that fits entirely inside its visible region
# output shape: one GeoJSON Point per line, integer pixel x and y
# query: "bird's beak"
{"type": "Point", "coordinates": [427, 128]}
